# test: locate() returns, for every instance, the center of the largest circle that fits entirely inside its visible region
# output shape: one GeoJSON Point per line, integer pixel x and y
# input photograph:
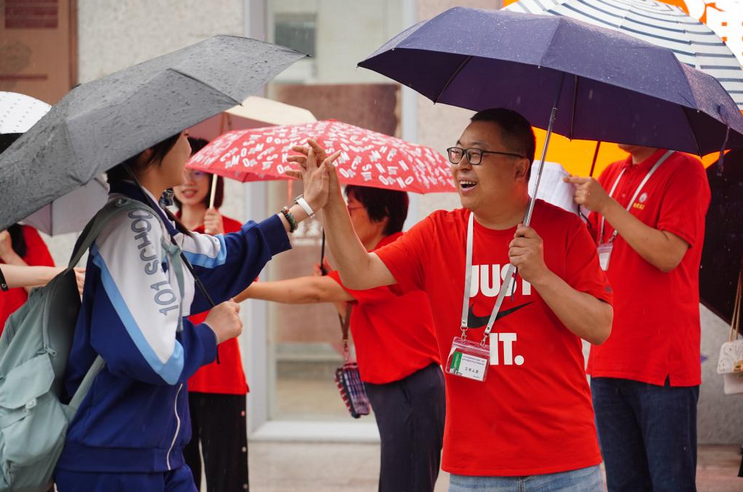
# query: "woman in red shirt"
{"type": "Point", "coordinates": [216, 393]}
{"type": "Point", "coordinates": [395, 347]}
{"type": "Point", "coordinates": [20, 245]}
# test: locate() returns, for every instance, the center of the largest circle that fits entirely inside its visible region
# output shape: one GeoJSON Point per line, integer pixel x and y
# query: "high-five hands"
{"type": "Point", "coordinates": [315, 169]}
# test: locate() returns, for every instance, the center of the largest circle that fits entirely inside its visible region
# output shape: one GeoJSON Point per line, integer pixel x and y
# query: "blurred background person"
{"type": "Point", "coordinates": [217, 392]}
{"type": "Point", "coordinates": [395, 347]}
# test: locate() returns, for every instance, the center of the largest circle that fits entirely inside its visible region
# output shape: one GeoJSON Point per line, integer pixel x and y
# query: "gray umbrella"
{"type": "Point", "coordinates": [102, 123]}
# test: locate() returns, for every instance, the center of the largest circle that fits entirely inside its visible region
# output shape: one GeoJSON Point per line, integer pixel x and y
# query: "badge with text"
{"type": "Point", "coordinates": [604, 251]}
{"type": "Point", "coordinates": [468, 359]}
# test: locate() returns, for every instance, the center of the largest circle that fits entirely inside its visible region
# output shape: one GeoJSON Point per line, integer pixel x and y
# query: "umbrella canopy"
{"type": "Point", "coordinates": [723, 237]}
{"type": "Point", "coordinates": [658, 23]}
{"type": "Point", "coordinates": [19, 112]}
{"type": "Point", "coordinates": [367, 159]}
{"type": "Point", "coordinates": [254, 112]}
{"type": "Point", "coordinates": [610, 86]}
{"type": "Point", "coordinates": [102, 123]}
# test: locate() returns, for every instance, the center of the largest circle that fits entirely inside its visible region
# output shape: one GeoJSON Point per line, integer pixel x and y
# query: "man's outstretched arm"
{"type": "Point", "coordinates": [358, 269]}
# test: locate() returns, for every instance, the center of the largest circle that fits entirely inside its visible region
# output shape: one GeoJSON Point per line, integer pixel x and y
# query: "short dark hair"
{"type": "Point", "coordinates": [380, 203]}
{"type": "Point", "coordinates": [516, 131]}
{"type": "Point", "coordinates": [119, 172]}
{"type": "Point", "coordinates": [196, 145]}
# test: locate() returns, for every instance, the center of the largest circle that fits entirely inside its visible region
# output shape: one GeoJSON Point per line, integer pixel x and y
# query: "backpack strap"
{"type": "Point", "coordinates": [85, 241]}
{"type": "Point", "coordinates": [100, 221]}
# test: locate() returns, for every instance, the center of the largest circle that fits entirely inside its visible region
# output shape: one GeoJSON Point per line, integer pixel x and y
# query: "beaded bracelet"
{"type": "Point", "coordinates": [289, 218]}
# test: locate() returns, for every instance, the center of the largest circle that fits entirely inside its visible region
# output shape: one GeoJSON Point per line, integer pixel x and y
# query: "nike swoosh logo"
{"type": "Point", "coordinates": [474, 321]}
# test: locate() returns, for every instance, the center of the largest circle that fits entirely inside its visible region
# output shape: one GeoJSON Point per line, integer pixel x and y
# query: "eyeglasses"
{"type": "Point", "coordinates": [194, 175]}
{"type": "Point", "coordinates": [474, 156]}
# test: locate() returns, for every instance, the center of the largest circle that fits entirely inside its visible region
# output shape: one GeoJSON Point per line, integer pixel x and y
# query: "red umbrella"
{"type": "Point", "coordinates": [367, 159]}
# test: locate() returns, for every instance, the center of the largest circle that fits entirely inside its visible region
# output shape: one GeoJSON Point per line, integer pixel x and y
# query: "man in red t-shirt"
{"type": "Point", "coordinates": [649, 229]}
{"type": "Point", "coordinates": [528, 420]}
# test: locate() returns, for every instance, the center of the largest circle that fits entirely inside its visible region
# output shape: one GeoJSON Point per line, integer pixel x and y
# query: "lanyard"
{"type": "Point", "coordinates": [634, 197]}
{"type": "Point", "coordinates": [505, 286]}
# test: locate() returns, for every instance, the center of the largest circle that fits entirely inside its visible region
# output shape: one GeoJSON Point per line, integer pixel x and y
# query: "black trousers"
{"type": "Point", "coordinates": [410, 415]}
{"type": "Point", "coordinates": [218, 422]}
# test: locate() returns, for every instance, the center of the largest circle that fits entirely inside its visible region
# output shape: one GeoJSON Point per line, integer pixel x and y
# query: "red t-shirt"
{"type": "Point", "coordinates": [656, 331]}
{"type": "Point", "coordinates": [387, 349]}
{"type": "Point", "coordinates": [228, 376]}
{"type": "Point", "coordinates": [37, 254]}
{"type": "Point", "coordinates": [528, 419]}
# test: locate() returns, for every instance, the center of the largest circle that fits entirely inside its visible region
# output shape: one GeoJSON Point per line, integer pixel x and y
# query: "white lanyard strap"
{"type": "Point", "coordinates": [637, 192]}
{"type": "Point", "coordinates": [468, 273]}
{"type": "Point", "coordinates": [505, 287]}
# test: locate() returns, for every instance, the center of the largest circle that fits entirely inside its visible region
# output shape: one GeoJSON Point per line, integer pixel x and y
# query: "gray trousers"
{"type": "Point", "coordinates": [410, 415]}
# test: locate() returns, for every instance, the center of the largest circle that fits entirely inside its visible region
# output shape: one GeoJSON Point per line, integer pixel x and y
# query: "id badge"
{"type": "Point", "coordinates": [468, 359]}
{"type": "Point", "coordinates": [604, 251]}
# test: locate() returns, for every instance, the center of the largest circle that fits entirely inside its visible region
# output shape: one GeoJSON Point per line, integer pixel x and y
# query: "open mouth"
{"type": "Point", "coordinates": [467, 185]}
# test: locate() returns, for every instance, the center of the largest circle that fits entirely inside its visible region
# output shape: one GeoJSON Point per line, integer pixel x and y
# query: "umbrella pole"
{"type": "Point", "coordinates": [213, 193]}
{"type": "Point", "coordinates": [540, 168]}
{"type": "Point", "coordinates": [595, 155]}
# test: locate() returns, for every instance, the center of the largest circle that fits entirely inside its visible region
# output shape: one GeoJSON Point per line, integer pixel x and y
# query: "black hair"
{"type": "Point", "coordinates": [15, 230]}
{"type": "Point", "coordinates": [380, 203]}
{"type": "Point", "coordinates": [119, 173]}
{"type": "Point", "coordinates": [196, 145]}
{"type": "Point", "coordinates": [516, 131]}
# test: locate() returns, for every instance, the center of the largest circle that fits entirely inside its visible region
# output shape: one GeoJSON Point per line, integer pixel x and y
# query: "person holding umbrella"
{"type": "Point", "coordinates": [395, 346]}
{"type": "Point", "coordinates": [647, 219]}
{"type": "Point", "coordinates": [130, 429]}
{"type": "Point", "coordinates": [216, 393]}
{"type": "Point", "coordinates": [519, 413]}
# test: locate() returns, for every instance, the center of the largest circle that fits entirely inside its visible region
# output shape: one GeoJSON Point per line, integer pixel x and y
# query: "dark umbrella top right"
{"type": "Point", "coordinates": [609, 86]}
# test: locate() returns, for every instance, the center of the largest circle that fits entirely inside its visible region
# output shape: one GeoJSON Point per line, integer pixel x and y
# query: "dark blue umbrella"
{"type": "Point", "coordinates": [609, 86]}
{"type": "Point", "coordinates": [603, 84]}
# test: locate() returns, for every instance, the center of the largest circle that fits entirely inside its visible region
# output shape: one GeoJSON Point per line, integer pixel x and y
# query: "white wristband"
{"type": "Point", "coordinates": [305, 206]}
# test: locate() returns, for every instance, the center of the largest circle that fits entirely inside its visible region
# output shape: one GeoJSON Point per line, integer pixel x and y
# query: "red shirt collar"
{"type": "Point", "coordinates": [647, 163]}
{"type": "Point", "coordinates": [387, 240]}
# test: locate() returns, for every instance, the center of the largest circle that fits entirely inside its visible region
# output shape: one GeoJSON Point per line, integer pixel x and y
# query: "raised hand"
{"type": "Point", "coordinates": [314, 171]}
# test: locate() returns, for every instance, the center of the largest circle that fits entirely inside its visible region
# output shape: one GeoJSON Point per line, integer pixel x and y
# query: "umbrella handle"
{"type": "Point", "coordinates": [540, 168]}
{"type": "Point", "coordinates": [595, 155]}
{"type": "Point", "coordinates": [322, 255]}
{"type": "Point", "coordinates": [213, 191]}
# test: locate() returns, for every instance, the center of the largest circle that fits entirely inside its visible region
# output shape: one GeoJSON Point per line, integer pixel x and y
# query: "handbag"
{"type": "Point", "coordinates": [348, 379]}
{"type": "Point", "coordinates": [731, 352]}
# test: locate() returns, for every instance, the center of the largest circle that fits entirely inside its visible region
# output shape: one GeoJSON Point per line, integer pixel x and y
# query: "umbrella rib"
{"type": "Point", "coordinates": [451, 79]}
{"type": "Point", "coordinates": [237, 102]}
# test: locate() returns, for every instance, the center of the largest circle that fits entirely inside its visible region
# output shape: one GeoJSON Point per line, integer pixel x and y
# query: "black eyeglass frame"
{"type": "Point", "coordinates": [473, 151]}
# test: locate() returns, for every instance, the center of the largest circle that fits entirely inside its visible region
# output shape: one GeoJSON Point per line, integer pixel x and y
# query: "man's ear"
{"type": "Point", "coordinates": [522, 168]}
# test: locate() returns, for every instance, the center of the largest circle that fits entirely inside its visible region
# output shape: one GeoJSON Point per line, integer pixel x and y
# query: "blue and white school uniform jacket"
{"type": "Point", "coordinates": [135, 417]}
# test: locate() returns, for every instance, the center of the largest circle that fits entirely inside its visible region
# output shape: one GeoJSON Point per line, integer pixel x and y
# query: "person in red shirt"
{"type": "Point", "coordinates": [216, 393]}
{"type": "Point", "coordinates": [395, 346]}
{"type": "Point", "coordinates": [649, 228]}
{"type": "Point", "coordinates": [521, 417]}
{"type": "Point", "coordinates": [20, 245]}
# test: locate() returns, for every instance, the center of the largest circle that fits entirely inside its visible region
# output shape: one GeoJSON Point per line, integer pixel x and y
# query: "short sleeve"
{"type": "Point", "coordinates": [37, 253]}
{"type": "Point", "coordinates": [368, 296]}
{"type": "Point", "coordinates": [584, 272]}
{"type": "Point", "coordinates": [685, 202]}
{"type": "Point", "coordinates": [405, 257]}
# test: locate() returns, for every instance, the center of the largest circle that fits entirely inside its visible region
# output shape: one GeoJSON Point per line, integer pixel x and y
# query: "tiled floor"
{"type": "Point", "coordinates": [325, 467]}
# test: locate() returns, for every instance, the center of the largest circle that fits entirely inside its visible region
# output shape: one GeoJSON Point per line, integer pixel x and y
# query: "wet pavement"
{"type": "Point", "coordinates": [331, 467]}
